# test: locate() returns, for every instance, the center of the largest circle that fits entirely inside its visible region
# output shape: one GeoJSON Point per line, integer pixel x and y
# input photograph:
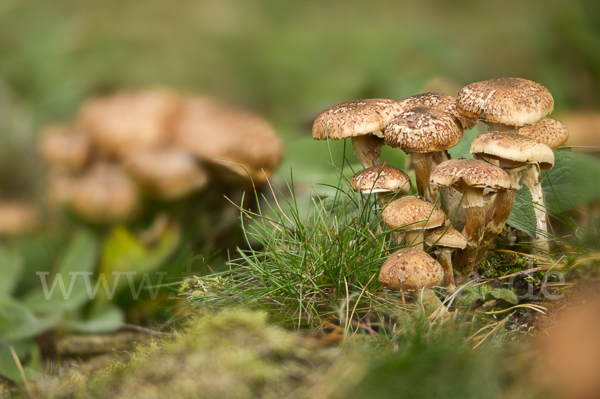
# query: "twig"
{"type": "Point", "coordinates": [22, 373]}
{"type": "Point", "coordinates": [527, 271]}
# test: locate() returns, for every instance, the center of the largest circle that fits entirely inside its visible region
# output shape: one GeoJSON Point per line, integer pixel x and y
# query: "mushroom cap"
{"type": "Point", "coordinates": [423, 129]}
{"type": "Point", "coordinates": [355, 118]}
{"type": "Point", "coordinates": [510, 101]}
{"type": "Point", "coordinates": [104, 195]}
{"type": "Point", "coordinates": [462, 173]}
{"type": "Point", "coordinates": [584, 130]}
{"type": "Point", "coordinates": [445, 236]}
{"type": "Point", "coordinates": [440, 101]}
{"type": "Point", "coordinates": [126, 121]}
{"type": "Point", "coordinates": [513, 148]}
{"type": "Point", "coordinates": [412, 213]}
{"type": "Point", "coordinates": [410, 269]}
{"type": "Point", "coordinates": [65, 147]}
{"type": "Point", "coordinates": [547, 131]}
{"type": "Point", "coordinates": [231, 137]}
{"type": "Point", "coordinates": [168, 172]}
{"type": "Point", "coordinates": [381, 179]}
{"type": "Point", "coordinates": [17, 218]}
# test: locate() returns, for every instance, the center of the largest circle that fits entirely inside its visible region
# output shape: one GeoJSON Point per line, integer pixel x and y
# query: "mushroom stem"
{"type": "Point", "coordinates": [496, 213]}
{"type": "Point", "coordinates": [465, 259]}
{"type": "Point", "coordinates": [533, 180]}
{"type": "Point", "coordinates": [444, 256]}
{"type": "Point", "coordinates": [414, 238]}
{"type": "Point", "coordinates": [423, 166]}
{"type": "Point", "coordinates": [367, 149]}
{"type": "Point", "coordinates": [428, 298]}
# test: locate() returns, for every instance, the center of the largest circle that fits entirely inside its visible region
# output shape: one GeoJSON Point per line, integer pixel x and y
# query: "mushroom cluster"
{"type": "Point", "coordinates": [127, 146]}
{"type": "Point", "coordinates": [462, 204]}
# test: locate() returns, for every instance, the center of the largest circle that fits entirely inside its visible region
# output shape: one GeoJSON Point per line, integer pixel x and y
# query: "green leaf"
{"type": "Point", "coordinates": [122, 252]}
{"type": "Point", "coordinates": [572, 182]}
{"type": "Point", "coordinates": [505, 295]}
{"type": "Point", "coordinates": [25, 349]}
{"type": "Point", "coordinates": [67, 288]}
{"type": "Point", "coordinates": [18, 322]}
{"type": "Point", "coordinates": [11, 269]}
{"type": "Point", "coordinates": [107, 320]}
{"type": "Point", "coordinates": [522, 216]}
{"type": "Point", "coordinates": [471, 295]}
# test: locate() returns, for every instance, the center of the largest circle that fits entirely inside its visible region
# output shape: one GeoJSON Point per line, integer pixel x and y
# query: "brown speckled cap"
{"type": "Point", "coordinates": [441, 101]}
{"type": "Point", "coordinates": [547, 131]}
{"type": "Point", "coordinates": [169, 173]}
{"type": "Point", "coordinates": [410, 269]}
{"type": "Point", "coordinates": [509, 101]}
{"type": "Point", "coordinates": [412, 213]}
{"type": "Point", "coordinates": [129, 120]}
{"type": "Point", "coordinates": [470, 172]}
{"type": "Point", "coordinates": [445, 236]}
{"type": "Point", "coordinates": [65, 147]}
{"type": "Point", "coordinates": [513, 149]}
{"type": "Point", "coordinates": [355, 118]}
{"type": "Point", "coordinates": [228, 136]}
{"type": "Point", "coordinates": [104, 195]}
{"type": "Point", "coordinates": [381, 179]}
{"type": "Point", "coordinates": [423, 129]}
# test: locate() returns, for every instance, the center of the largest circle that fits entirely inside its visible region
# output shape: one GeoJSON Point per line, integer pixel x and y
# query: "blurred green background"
{"type": "Point", "coordinates": [286, 60]}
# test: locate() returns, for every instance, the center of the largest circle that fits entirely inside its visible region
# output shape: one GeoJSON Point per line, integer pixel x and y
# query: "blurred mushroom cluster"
{"type": "Point", "coordinates": [462, 204]}
{"type": "Point", "coordinates": [127, 147]}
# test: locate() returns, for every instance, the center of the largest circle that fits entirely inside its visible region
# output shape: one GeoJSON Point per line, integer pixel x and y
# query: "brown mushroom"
{"type": "Point", "coordinates": [412, 270]}
{"type": "Point", "coordinates": [65, 147]}
{"type": "Point", "coordinates": [412, 215]}
{"type": "Point", "coordinates": [446, 240]}
{"type": "Point", "coordinates": [385, 181]}
{"type": "Point", "coordinates": [472, 177]}
{"type": "Point", "coordinates": [519, 156]}
{"type": "Point", "coordinates": [168, 173]}
{"type": "Point", "coordinates": [361, 120]}
{"type": "Point", "coordinates": [422, 132]}
{"type": "Point", "coordinates": [230, 137]}
{"type": "Point", "coordinates": [505, 103]}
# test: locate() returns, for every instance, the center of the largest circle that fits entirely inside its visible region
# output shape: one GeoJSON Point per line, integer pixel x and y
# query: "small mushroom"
{"type": "Point", "coordinates": [230, 137]}
{"type": "Point", "coordinates": [446, 240]}
{"type": "Point", "coordinates": [385, 181]}
{"type": "Point", "coordinates": [412, 215]}
{"type": "Point", "coordinates": [505, 103]}
{"type": "Point", "coordinates": [518, 155]}
{"type": "Point", "coordinates": [104, 195]}
{"type": "Point", "coordinates": [65, 147]}
{"type": "Point", "coordinates": [412, 270]}
{"type": "Point", "coordinates": [473, 178]}
{"type": "Point", "coordinates": [439, 101]}
{"type": "Point", "coordinates": [168, 173]}
{"type": "Point", "coordinates": [127, 121]}
{"type": "Point", "coordinates": [361, 120]}
{"type": "Point", "coordinates": [423, 132]}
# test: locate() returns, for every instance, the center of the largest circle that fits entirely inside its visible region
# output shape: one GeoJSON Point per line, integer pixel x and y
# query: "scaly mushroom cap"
{"type": "Point", "coordinates": [129, 120]}
{"type": "Point", "coordinates": [512, 150]}
{"type": "Point", "coordinates": [167, 172]}
{"type": "Point", "coordinates": [412, 213]}
{"type": "Point", "coordinates": [445, 236]}
{"type": "Point", "coordinates": [381, 179]}
{"type": "Point", "coordinates": [228, 136]}
{"type": "Point", "coordinates": [509, 101]}
{"type": "Point", "coordinates": [104, 194]}
{"type": "Point", "coordinates": [410, 269]}
{"type": "Point", "coordinates": [440, 101]}
{"type": "Point", "coordinates": [423, 129]}
{"type": "Point", "coordinates": [65, 147]}
{"type": "Point", "coordinates": [355, 118]}
{"type": "Point", "coordinates": [547, 131]}
{"type": "Point", "coordinates": [463, 173]}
